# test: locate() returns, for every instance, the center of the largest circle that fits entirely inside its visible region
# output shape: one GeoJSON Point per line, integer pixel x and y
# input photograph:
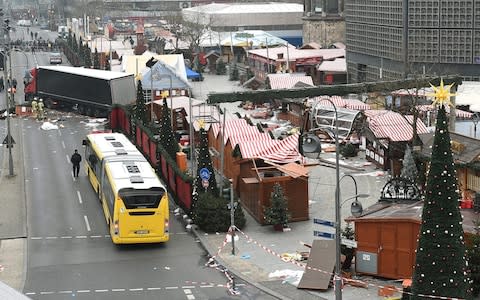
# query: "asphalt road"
{"type": "Point", "coordinates": [69, 252]}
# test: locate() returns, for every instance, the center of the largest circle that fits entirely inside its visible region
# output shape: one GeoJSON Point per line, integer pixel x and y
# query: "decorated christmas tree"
{"type": "Point", "coordinates": [167, 138]}
{"type": "Point", "coordinates": [87, 53]}
{"type": "Point", "coordinates": [277, 213]}
{"type": "Point", "coordinates": [209, 210]}
{"type": "Point", "coordinates": [440, 268]}
{"type": "Point", "coordinates": [409, 169]}
{"type": "Point", "coordinates": [96, 60]}
{"type": "Point", "coordinates": [140, 110]}
{"type": "Point", "coordinates": [204, 161]}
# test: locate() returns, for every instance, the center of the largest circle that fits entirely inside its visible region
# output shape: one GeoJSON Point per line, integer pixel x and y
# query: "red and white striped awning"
{"type": "Point", "coordinates": [394, 126]}
{"type": "Point", "coordinates": [279, 151]}
{"type": "Point", "coordinates": [241, 140]}
{"type": "Point", "coordinates": [356, 104]}
{"type": "Point", "coordinates": [340, 102]}
{"type": "Point", "coordinates": [458, 112]}
{"type": "Point", "coordinates": [235, 128]}
{"type": "Point", "coordinates": [337, 101]}
{"type": "Point", "coordinates": [287, 81]}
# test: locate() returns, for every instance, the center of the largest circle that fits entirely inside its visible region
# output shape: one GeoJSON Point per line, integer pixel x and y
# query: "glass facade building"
{"type": "Point", "coordinates": [394, 39]}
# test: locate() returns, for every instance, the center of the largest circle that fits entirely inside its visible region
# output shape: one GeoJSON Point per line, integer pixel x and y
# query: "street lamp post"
{"type": "Point", "coordinates": [8, 95]}
{"type": "Point", "coordinates": [311, 144]}
{"type": "Point", "coordinates": [338, 264]}
{"type": "Point", "coordinates": [314, 146]}
{"type": "Point", "coordinates": [475, 119]}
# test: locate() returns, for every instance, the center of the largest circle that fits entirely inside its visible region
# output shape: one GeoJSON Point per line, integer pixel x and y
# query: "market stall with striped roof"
{"type": "Point", "coordinates": [386, 135]}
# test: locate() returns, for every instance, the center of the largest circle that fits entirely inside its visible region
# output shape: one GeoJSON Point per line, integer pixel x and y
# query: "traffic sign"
{"type": "Point", "coordinates": [349, 243]}
{"type": "Point", "coordinates": [324, 222]}
{"type": "Point", "coordinates": [8, 140]}
{"type": "Point", "coordinates": [204, 174]}
{"type": "Point", "coordinates": [324, 234]}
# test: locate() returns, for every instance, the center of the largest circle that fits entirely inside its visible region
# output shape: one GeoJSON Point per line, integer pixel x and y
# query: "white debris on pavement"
{"type": "Point", "coordinates": [48, 126]}
{"type": "Point", "coordinates": [291, 276]}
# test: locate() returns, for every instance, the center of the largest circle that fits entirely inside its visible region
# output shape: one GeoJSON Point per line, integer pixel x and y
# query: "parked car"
{"type": "Point", "coordinates": [55, 58]}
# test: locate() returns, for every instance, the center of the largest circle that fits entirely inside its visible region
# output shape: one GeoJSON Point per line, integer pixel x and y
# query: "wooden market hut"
{"type": "Point", "coordinates": [257, 178]}
{"type": "Point", "coordinates": [385, 137]}
{"type": "Point", "coordinates": [234, 131]}
{"type": "Point", "coordinates": [244, 147]}
{"type": "Point", "coordinates": [466, 156]}
{"type": "Point", "coordinates": [387, 232]}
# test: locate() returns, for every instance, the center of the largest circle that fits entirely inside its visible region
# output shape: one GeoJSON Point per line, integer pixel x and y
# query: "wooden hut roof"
{"type": "Point", "coordinates": [400, 212]}
{"type": "Point", "coordinates": [464, 148]}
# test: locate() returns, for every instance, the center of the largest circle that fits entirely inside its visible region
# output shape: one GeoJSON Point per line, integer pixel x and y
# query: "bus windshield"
{"type": "Point", "coordinates": [141, 198]}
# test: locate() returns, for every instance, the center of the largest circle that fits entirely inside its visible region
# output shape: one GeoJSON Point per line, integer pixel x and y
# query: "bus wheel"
{"type": "Point", "coordinates": [81, 109]}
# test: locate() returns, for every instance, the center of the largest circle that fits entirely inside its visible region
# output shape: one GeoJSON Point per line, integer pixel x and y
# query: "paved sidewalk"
{"type": "Point", "coordinates": [259, 248]}
{"type": "Point", "coordinates": [13, 220]}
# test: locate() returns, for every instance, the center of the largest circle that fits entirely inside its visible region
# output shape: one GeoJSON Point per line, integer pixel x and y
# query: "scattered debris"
{"type": "Point", "coordinates": [48, 126]}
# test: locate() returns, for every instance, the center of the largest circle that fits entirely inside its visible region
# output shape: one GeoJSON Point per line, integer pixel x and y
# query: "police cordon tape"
{"type": "Point", "coordinates": [293, 261]}
{"type": "Point", "coordinates": [212, 263]}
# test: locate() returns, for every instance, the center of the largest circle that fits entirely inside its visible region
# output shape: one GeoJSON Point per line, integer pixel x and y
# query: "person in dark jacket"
{"type": "Point", "coordinates": [76, 159]}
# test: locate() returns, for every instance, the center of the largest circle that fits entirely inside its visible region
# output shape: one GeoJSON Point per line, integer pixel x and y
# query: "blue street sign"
{"type": "Point", "coordinates": [324, 234]}
{"type": "Point", "coordinates": [204, 174]}
{"type": "Point", "coordinates": [323, 222]}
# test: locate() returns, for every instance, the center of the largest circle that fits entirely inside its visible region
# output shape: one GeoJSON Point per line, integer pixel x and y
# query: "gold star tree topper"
{"type": "Point", "coordinates": [201, 123]}
{"type": "Point", "coordinates": [442, 94]}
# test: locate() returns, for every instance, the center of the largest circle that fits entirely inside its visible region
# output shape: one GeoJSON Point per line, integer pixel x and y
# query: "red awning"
{"type": "Point", "coordinates": [390, 125]}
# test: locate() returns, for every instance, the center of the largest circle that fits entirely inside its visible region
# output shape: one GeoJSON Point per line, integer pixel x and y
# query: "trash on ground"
{"type": "Point", "coordinates": [287, 275]}
{"type": "Point", "coordinates": [48, 126]}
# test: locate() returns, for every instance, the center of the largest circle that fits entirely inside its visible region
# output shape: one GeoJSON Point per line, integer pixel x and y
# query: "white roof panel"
{"type": "Point", "coordinates": [108, 143]}
{"type": "Point", "coordinates": [119, 171]}
{"type": "Point", "coordinates": [101, 74]}
{"type": "Point", "coordinates": [247, 8]}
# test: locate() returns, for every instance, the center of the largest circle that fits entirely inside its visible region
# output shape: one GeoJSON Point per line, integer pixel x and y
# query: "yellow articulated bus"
{"type": "Point", "coordinates": [134, 201]}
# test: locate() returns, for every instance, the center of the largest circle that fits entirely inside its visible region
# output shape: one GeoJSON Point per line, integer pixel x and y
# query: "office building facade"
{"type": "Point", "coordinates": [394, 39]}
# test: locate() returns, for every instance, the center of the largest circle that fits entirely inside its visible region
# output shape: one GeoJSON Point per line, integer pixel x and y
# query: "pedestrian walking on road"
{"type": "Point", "coordinates": [76, 159]}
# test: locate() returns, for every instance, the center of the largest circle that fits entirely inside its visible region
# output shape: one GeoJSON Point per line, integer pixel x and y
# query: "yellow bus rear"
{"type": "Point", "coordinates": [140, 217]}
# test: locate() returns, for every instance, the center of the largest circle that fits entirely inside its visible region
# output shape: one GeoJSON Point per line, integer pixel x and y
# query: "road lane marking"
{"type": "Point", "coordinates": [68, 159]}
{"type": "Point", "coordinates": [187, 292]}
{"type": "Point", "coordinates": [46, 293]}
{"type": "Point", "coordinates": [63, 145]}
{"type": "Point", "coordinates": [79, 197]}
{"type": "Point", "coordinates": [86, 223]}
{"type": "Point", "coordinates": [94, 236]}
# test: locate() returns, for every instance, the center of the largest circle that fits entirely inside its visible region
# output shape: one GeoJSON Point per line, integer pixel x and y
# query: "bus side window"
{"type": "Point", "coordinates": [93, 161]}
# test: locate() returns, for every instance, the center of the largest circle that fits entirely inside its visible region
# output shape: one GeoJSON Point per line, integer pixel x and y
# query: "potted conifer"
{"type": "Point", "coordinates": [277, 214]}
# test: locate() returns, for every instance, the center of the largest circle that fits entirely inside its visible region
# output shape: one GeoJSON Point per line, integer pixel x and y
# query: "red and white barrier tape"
{"type": "Point", "coordinates": [344, 280]}
{"type": "Point", "coordinates": [212, 263]}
